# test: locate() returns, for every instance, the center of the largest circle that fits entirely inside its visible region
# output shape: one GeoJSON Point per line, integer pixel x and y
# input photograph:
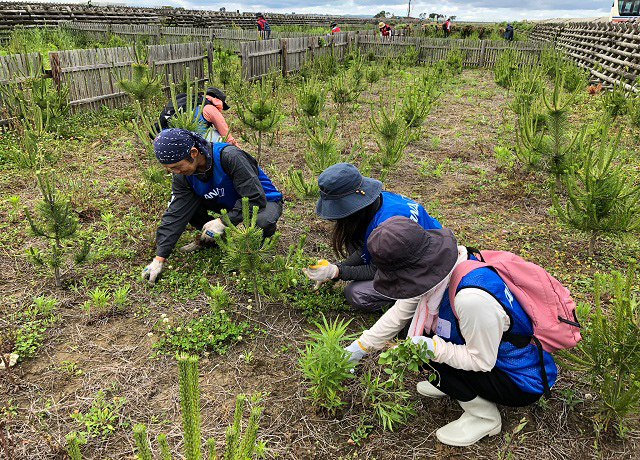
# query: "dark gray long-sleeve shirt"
{"type": "Point", "coordinates": [241, 167]}
{"type": "Point", "coordinates": [354, 269]}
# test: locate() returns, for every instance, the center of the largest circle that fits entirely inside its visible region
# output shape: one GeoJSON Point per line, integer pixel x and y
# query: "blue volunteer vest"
{"type": "Point", "coordinates": [220, 187]}
{"type": "Point", "coordinates": [200, 118]}
{"type": "Point", "coordinates": [522, 365]}
{"type": "Point", "coordinates": [397, 205]}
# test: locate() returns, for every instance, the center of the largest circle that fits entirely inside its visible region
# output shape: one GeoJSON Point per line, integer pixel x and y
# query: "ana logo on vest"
{"type": "Point", "coordinates": [215, 193]}
{"type": "Point", "coordinates": [415, 210]}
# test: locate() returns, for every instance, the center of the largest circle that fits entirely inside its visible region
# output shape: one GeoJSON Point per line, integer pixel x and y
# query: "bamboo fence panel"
{"type": "Point", "coordinates": [91, 75]}
{"type": "Point", "coordinates": [609, 51]}
{"type": "Point", "coordinates": [172, 61]}
{"type": "Point", "coordinates": [260, 57]}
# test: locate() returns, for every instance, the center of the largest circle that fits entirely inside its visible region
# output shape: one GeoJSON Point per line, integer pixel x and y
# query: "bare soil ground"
{"type": "Point", "coordinates": [485, 206]}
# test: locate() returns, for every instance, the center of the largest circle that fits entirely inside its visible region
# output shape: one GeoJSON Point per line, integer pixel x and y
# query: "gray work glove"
{"type": "Point", "coordinates": [322, 272]}
{"type": "Point", "coordinates": [211, 229]}
{"type": "Point", "coordinates": [152, 271]}
{"type": "Point", "coordinates": [357, 351]}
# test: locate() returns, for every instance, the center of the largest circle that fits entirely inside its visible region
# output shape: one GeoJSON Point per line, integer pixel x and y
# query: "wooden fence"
{"type": "Point", "coordinates": [15, 68]}
{"type": "Point", "coordinates": [91, 74]}
{"type": "Point", "coordinates": [475, 53]}
{"type": "Point", "coordinates": [288, 55]}
{"type": "Point", "coordinates": [609, 51]}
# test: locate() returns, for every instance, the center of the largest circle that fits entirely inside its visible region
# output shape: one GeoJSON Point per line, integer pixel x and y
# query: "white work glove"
{"type": "Point", "coordinates": [152, 271]}
{"type": "Point", "coordinates": [211, 229]}
{"type": "Point", "coordinates": [322, 272]}
{"type": "Point", "coordinates": [431, 322]}
{"type": "Point", "coordinates": [429, 343]}
{"type": "Point", "coordinates": [357, 351]}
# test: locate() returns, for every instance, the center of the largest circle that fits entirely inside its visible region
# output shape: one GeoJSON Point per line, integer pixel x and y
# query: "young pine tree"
{"type": "Point", "coordinates": [391, 130]}
{"type": "Point", "coordinates": [608, 356]}
{"type": "Point", "coordinates": [244, 247]}
{"type": "Point", "coordinates": [258, 108]}
{"type": "Point", "coordinates": [601, 193]}
{"type": "Point", "coordinates": [143, 84]}
{"type": "Point", "coordinates": [323, 148]}
{"type": "Point", "coordinates": [311, 98]}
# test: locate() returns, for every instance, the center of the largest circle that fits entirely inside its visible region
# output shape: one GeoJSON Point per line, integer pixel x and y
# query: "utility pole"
{"type": "Point", "coordinates": [409, 10]}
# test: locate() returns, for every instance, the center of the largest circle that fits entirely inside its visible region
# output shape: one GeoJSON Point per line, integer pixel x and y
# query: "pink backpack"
{"type": "Point", "coordinates": [547, 302]}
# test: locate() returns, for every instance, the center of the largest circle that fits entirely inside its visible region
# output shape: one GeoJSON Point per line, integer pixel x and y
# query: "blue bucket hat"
{"type": "Point", "coordinates": [343, 191]}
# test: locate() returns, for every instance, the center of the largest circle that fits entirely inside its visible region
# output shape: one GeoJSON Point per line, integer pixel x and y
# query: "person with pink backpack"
{"type": "Point", "coordinates": [489, 327]}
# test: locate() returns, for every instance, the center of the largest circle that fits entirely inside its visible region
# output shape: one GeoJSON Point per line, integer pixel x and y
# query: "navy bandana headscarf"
{"type": "Point", "coordinates": [173, 145]}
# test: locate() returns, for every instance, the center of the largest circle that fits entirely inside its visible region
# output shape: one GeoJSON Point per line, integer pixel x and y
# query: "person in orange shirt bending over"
{"type": "Point", "coordinates": [212, 103]}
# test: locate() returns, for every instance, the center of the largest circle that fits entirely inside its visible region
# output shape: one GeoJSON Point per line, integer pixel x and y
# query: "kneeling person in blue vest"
{"type": "Point", "coordinates": [208, 177]}
{"type": "Point", "coordinates": [473, 360]}
{"type": "Point", "coordinates": [358, 205]}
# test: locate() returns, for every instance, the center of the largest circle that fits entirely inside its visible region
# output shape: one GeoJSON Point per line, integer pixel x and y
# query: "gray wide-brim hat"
{"type": "Point", "coordinates": [410, 259]}
{"type": "Point", "coordinates": [343, 191]}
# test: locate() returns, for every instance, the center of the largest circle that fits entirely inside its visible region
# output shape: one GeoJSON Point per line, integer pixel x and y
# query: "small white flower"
{"type": "Point", "coordinates": [234, 273]}
{"type": "Point", "coordinates": [195, 310]}
{"type": "Point", "coordinates": [588, 396]}
{"type": "Point", "coordinates": [149, 334]}
{"type": "Point", "coordinates": [189, 329]}
{"type": "Point", "coordinates": [164, 315]}
{"type": "Point", "coordinates": [178, 329]}
{"type": "Point", "coordinates": [165, 320]}
{"type": "Point", "coordinates": [250, 300]}
{"type": "Point", "coordinates": [239, 338]}
{"type": "Point", "coordinates": [241, 356]}
{"type": "Point", "coordinates": [249, 307]}
{"type": "Point", "coordinates": [222, 312]}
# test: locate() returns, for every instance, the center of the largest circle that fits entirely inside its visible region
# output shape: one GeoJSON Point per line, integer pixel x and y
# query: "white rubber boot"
{"type": "Point", "coordinates": [430, 391]}
{"type": "Point", "coordinates": [480, 418]}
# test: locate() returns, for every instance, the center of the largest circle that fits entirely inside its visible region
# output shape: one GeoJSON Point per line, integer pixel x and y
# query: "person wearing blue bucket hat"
{"type": "Point", "coordinates": [357, 205]}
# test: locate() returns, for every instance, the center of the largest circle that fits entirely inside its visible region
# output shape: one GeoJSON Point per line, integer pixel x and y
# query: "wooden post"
{"type": "Point", "coordinates": [56, 73]}
{"type": "Point", "coordinates": [210, 57]}
{"type": "Point", "coordinates": [356, 40]}
{"type": "Point", "coordinates": [159, 35]}
{"type": "Point", "coordinates": [483, 51]}
{"type": "Point", "coordinates": [284, 50]}
{"type": "Point", "coordinates": [244, 60]}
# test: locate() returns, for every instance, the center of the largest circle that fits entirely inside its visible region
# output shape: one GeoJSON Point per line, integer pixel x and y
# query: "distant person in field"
{"type": "Point", "coordinates": [263, 27]}
{"type": "Point", "coordinates": [209, 107]}
{"type": "Point", "coordinates": [508, 33]}
{"type": "Point", "coordinates": [479, 336]}
{"type": "Point", "coordinates": [385, 30]}
{"type": "Point", "coordinates": [208, 177]}
{"type": "Point", "coordinates": [357, 205]}
{"type": "Point", "coordinates": [334, 28]}
{"type": "Point", "coordinates": [446, 27]}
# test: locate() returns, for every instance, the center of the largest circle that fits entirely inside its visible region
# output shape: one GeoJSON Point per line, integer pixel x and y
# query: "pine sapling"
{"type": "Point", "coordinates": [601, 198]}
{"type": "Point", "coordinates": [302, 187]}
{"type": "Point", "coordinates": [190, 405]}
{"type": "Point", "coordinates": [323, 146]}
{"type": "Point", "coordinates": [55, 221]}
{"type": "Point", "coordinates": [258, 108]}
{"type": "Point", "coordinates": [142, 84]}
{"type": "Point", "coordinates": [311, 98]}
{"type": "Point", "coordinates": [244, 247]}
{"type": "Point", "coordinates": [73, 445]}
{"type": "Point", "coordinates": [392, 132]}
{"type": "Point", "coordinates": [143, 449]}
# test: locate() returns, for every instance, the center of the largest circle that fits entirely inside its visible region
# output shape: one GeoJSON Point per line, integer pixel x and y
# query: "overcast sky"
{"type": "Point", "coordinates": [474, 10]}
